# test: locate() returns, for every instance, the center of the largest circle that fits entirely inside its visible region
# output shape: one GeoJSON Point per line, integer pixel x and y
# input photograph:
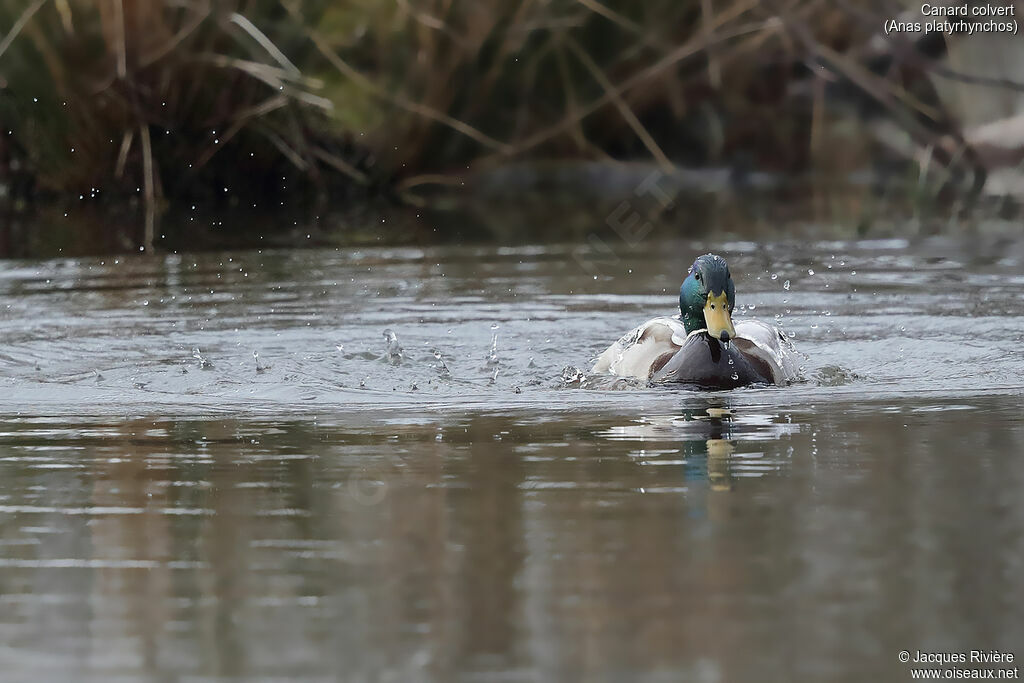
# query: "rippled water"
{"type": "Point", "coordinates": [223, 466]}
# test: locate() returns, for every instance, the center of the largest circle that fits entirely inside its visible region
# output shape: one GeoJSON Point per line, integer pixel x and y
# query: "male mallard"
{"type": "Point", "coordinates": [702, 346]}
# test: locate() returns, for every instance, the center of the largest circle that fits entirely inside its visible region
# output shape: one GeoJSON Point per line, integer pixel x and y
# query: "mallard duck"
{"type": "Point", "coordinates": [702, 346]}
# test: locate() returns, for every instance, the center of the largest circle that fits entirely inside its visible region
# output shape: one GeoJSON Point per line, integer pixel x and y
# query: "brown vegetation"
{"type": "Point", "coordinates": [207, 99]}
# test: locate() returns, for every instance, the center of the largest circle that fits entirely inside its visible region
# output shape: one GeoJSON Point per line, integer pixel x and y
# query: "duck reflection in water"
{"type": "Point", "coordinates": [713, 441]}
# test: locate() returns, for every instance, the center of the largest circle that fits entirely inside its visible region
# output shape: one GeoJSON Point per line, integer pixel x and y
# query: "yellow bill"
{"type": "Point", "coordinates": [718, 318]}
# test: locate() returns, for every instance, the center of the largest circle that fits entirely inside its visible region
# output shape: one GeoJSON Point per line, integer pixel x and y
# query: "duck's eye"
{"type": "Point", "coordinates": [697, 276]}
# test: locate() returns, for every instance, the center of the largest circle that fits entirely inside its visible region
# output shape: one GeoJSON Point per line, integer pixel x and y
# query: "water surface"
{"type": "Point", "coordinates": [213, 467]}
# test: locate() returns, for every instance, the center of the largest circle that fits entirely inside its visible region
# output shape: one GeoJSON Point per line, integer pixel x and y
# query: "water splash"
{"type": "Point", "coordinates": [394, 349]}
{"type": "Point", "coordinates": [833, 376]}
{"type": "Point", "coordinates": [572, 375]}
{"type": "Point", "coordinates": [259, 366]}
{"type": "Point", "coordinates": [204, 363]}
{"type": "Point", "coordinates": [442, 367]}
{"type": "Point", "coordinates": [492, 355]}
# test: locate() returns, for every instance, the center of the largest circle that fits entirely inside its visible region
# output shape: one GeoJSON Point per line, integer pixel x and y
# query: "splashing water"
{"type": "Point", "coordinates": [442, 367]}
{"type": "Point", "coordinates": [394, 349]}
{"type": "Point", "coordinates": [492, 354]}
{"type": "Point", "coordinates": [204, 363]}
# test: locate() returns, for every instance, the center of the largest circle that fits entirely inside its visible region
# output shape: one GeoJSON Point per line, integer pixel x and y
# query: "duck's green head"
{"type": "Point", "coordinates": [708, 296]}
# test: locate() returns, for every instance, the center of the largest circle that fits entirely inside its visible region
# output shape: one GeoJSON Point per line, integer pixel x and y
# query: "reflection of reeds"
{"type": "Point", "coordinates": [185, 97]}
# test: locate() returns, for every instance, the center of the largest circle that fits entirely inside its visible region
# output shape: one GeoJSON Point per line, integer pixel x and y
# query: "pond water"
{"type": "Point", "coordinates": [223, 467]}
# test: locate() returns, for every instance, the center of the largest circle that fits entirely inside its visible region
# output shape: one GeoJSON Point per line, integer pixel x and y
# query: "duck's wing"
{"type": "Point", "coordinates": [644, 350]}
{"type": "Point", "coordinates": [768, 344]}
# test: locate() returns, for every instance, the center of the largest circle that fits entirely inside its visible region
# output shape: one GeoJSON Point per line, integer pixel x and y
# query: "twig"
{"type": "Point", "coordinates": [284, 149]}
{"type": "Point", "coordinates": [243, 117]}
{"type": "Point", "coordinates": [150, 191]}
{"type": "Point", "coordinates": [122, 42]}
{"type": "Point", "coordinates": [174, 40]}
{"type": "Point", "coordinates": [20, 24]}
{"type": "Point", "coordinates": [337, 163]}
{"type": "Point", "coordinates": [261, 38]}
{"type": "Point", "coordinates": [627, 113]}
{"type": "Point", "coordinates": [679, 54]}
{"type": "Point", "coordinates": [428, 179]}
{"type": "Point", "coordinates": [714, 67]}
{"type": "Point", "coordinates": [122, 155]}
{"type": "Point", "coordinates": [570, 105]}
{"type": "Point", "coordinates": [424, 18]}
{"type": "Point", "coordinates": [398, 100]}
{"type": "Point", "coordinates": [624, 23]}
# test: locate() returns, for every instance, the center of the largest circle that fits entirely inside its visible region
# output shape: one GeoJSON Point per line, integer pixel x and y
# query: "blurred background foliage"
{"type": "Point", "coordinates": [164, 101]}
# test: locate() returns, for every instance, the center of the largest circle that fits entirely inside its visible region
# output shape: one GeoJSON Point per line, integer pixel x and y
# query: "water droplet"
{"type": "Point", "coordinates": [810, 271]}
{"type": "Point", "coordinates": [775, 276]}
{"type": "Point", "coordinates": [785, 285]}
{"type": "Point", "coordinates": [735, 376]}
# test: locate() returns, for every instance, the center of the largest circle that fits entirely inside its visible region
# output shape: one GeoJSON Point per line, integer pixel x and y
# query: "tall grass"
{"type": "Point", "coordinates": [142, 96]}
{"type": "Point", "coordinates": [208, 98]}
